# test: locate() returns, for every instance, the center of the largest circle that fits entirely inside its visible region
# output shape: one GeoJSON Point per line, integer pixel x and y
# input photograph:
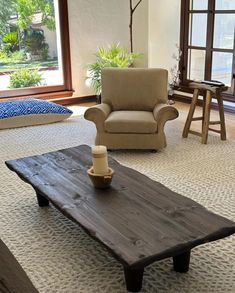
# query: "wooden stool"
{"type": "Point", "coordinates": [208, 92]}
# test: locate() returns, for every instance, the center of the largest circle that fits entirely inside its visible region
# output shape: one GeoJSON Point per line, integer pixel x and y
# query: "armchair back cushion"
{"type": "Point", "coordinates": [134, 89]}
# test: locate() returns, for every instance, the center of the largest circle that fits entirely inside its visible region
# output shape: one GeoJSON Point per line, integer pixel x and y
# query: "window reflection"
{"type": "Point", "coordinates": [196, 64]}
{"type": "Point", "coordinates": [224, 31]}
{"type": "Point", "coordinates": [198, 4]}
{"type": "Point", "coordinates": [225, 4]}
{"type": "Point", "coordinates": [198, 28]}
{"type": "Point", "coordinates": [222, 67]}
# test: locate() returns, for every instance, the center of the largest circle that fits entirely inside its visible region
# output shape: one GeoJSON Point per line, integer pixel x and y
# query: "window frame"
{"type": "Point", "coordinates": [209, 49]}
{"type": "Point", "coordinates": [56, 90]}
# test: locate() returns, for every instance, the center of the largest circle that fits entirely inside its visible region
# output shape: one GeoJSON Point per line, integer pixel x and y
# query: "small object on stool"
{"type": "Point", "coordinates": [101, 181]}
{"type": "Point", "coordinates": [208, 92]}
{"type": "Point", "coordinates": [213, 82]}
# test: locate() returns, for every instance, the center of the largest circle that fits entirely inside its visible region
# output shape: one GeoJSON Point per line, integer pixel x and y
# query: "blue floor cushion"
{"type": "Point", "coordinates": [18, 113]}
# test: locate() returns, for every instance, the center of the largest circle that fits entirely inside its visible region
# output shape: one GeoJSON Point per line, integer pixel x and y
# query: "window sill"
{"type": "Point", "coordinates": [45, 96]}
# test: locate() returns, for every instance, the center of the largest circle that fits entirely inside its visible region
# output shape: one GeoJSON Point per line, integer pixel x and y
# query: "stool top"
{"type": "Point", "coordinates": [206, 87]}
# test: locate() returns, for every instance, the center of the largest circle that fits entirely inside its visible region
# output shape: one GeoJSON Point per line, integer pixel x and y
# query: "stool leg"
{"type": "Point", "coordinates": [190, 113]}
{"type": "Point", "coordinates": [203, 108]}
{"type": "Point", "coordinates": [206, 119]}
{"type": "Point", "coordinates": [222, 120]}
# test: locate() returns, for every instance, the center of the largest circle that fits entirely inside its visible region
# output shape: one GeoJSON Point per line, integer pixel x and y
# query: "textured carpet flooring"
{"type": "Point", "coordinates": [60, 258]}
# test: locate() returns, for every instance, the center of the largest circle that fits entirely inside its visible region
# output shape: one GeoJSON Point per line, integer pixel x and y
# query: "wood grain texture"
{"type": "Point", "coordinates": [13, 279]}
{"type": "Point", "coordinates": [137, 219]}
{"type": "Point", "coordinates": [190, 114]}
{"type": "Point", "coordinates": [207, 91]}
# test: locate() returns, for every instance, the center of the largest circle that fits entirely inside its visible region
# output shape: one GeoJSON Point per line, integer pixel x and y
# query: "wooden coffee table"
{"type": "Point", "coordinates": [139, 220]}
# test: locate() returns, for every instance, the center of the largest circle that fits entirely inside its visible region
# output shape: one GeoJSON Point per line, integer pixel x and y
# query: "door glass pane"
{"type": "Point", "coordinates": [198, 4]}
{"type": "Point", "coordinates": [30, 49]}
{"type": "Point", "coordinates": [225, 4]}
{"type": "Point", "coordinates": [224, 31]}
{"type": "Point", "coordinates": [196, 64]}
{"type": "Point", "coordinates": [222, 67]}
{"type": "Point", "coordinates": [197, 29]}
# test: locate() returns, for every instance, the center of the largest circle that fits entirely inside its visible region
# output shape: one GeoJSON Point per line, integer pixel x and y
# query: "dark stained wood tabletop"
{"type": "Point", "coordinates": [137, 219]}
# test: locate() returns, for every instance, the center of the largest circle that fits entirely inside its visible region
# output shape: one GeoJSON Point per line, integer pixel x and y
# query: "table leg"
{"type": "Point", "coordinates": [134, 278]}
{"type": "Point", "coordinates": [42, 201]}
{"type": "Point", "coordinates": [181, 262]}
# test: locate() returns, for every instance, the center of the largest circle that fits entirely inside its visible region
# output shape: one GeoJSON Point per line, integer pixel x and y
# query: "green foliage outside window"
{"type": "Point", "coordinates": [25, 9]}
{"type": "Point", "coordinates": [35, 44]}
{"type": "Point", "coordinates": [11, 58]}
{"type": "Point", "coordinates": [10, 41]}
{"type": "Point", "coordinates": [25, 78]}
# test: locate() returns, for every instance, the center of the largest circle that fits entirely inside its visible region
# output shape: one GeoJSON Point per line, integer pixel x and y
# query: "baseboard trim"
{"type": "Point", "coordinates": [93, 98]}
{"type": "Point", "coordinates": [43, 96]}
{"type": "Point", "coordinates": [75, 100]}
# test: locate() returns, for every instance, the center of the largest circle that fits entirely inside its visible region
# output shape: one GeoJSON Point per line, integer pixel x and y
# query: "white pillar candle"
{"type": "Point", "coordinates": [100, 159]}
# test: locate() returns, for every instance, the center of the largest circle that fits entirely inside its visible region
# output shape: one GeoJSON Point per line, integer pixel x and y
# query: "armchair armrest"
{"type": "Point", "coordinates": [162, 113]}
{"type": "Point", "coordinates": [98, 114]}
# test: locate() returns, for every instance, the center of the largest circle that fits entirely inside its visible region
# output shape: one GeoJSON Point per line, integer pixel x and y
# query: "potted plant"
{"type": "Point", "coordinates": [174, 79]}
{"type": "Point", "coordinates": [113, 56]}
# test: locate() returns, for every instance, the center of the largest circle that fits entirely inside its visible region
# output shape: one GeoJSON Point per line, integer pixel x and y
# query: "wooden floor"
{"type": "Point", "coordinates": [183, 109]}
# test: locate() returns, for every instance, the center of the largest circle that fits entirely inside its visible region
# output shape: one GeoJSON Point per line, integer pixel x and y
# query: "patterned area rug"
{"type": "Point", "coordinates": [59, 257]}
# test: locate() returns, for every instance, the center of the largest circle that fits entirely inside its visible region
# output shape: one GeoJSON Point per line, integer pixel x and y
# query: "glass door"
{"type": "Point", "coordinates": [34, 55]}
{"type": "Point", "coordinates": [197, 39]}
{"type": "Point", "coordinates": [223, 41]}
{"type": "Point", "coordinates": [208, 42]}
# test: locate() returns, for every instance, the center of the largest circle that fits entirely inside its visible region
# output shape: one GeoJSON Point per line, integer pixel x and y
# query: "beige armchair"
{"type": "Point", "coordinates": [133, 111]}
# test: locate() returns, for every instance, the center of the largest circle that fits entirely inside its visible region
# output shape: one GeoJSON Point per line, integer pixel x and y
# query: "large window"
{"type": "Point", "coordinates": [207, 41]}
{"type": "Point", "coordinates": [34, 49]}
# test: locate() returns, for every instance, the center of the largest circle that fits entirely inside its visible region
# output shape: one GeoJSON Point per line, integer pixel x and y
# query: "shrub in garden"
{"type": "Point", "coordinates": [3, 56]}
{"type": "Point", "coordinates": [45, 52]}
{"type": "Point", "coordinates": [15, 57]}
{"type": "Point", "coordinates": [25, 78]}
{"type": "Point", "coordinates": [10, 42]}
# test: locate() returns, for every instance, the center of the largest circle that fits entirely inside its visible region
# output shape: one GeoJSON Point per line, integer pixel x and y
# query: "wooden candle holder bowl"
{"type": "Point", "coordinates": [99, 180]}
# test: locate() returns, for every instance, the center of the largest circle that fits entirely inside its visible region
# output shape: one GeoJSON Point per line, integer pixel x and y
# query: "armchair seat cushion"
{"type": "Point", "coordinates": [130, 122]}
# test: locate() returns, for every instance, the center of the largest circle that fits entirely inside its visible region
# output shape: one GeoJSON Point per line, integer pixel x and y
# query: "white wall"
{"type": "Point", "coordinates": [164, 32]}
{"type": "Point", "coordinates": [141, 32]}
{"type": "Point", "coordinates": [95, 23]}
